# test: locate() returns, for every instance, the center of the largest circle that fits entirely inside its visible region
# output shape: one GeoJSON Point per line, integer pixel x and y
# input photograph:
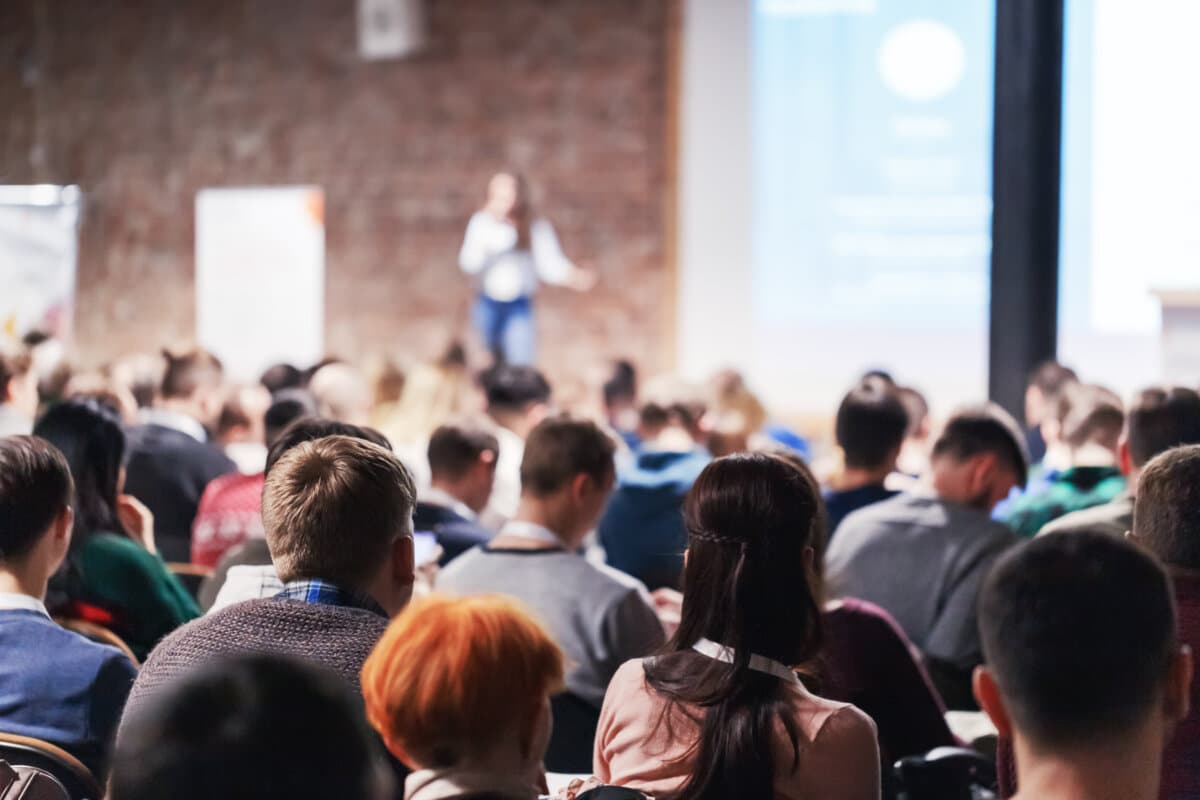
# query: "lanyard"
{"type": "Point", "coordinates": [528, 530]}
{"type": "Point", "coordinates": [758, 663]}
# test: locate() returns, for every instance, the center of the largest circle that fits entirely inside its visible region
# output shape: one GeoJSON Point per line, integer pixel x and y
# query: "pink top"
{"type": "Point", "coordinates": [839, 755]}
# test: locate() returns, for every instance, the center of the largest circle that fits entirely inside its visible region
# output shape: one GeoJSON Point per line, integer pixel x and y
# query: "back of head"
{"type": "Point", "coordinates": [1166, 511]}
{"type": "Point", "coordinates": [190, 372]}
{"type": "Point", "coordinates": [621, 385]}
{"type": "Point", "coordinates": [287, 406]}
{"type": "Point", "coordinates": [985, 429]}
{"type": "Point", "coordinates": [510, 388]}
{"type": "Point", "coordinates": [1162, 418]}
{"type": "Point", "coordinates": [451, 677]}
{"type": "Point", "coordinates": [558, 449]}
{"type": "Point", "coordinates": [917, 408]}
{"type": "Point", "coordinates": [247, 728]}
{"type": "Point", "coordinates": [332, 508]}
{"type": "Point", "coordinates": [342, 393]}
{"type": "Point", "coordinates": [1050, 378]}
{"type": "Point", "coordinates": [454, 448]}
{"type": "Point", "coordinates": [871, 425]}
{"type": "Point", "coordinates": [35, 487]}
{"type": "Point", "coordinates": [1096, 416]}
{"type": "Point", "coordinates": [242, 413]}
{"type": "Point", "coordinates": [307, 428]}
{"type": "Point", "coordinates": [282, 376]}
{"type": "Point", "coordinates": [1078, 631]}
{"type": "Point", "coordinates": [90, 435]}
{"type": "Point", "coordinates": [141, 374]}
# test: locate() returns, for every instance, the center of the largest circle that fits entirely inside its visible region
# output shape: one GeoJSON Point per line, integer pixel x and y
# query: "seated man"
{"type": "Point", "coordinates": [870, 429]}
{"type": "Point", "coordinates": [600, 617]}
{"type": "Point", "coordinates": [338, 518]}
{"type": "Point", "coordinates": [54, 684]}
{"type": "Point", "coordinates": [1158, 420]}
{"type": "Point", "coordinates": [1089, 682]}
{"type": "Point", "coordinates": [1090, 476]}
{"type": "Point", "coordinates": [922, 557]}
{"type": "Point", "coordinates": [518, 398]}
{"type": "Point", "coordinates": [251, 727]}
{"type": "Point", "coordinates": [462, 469]}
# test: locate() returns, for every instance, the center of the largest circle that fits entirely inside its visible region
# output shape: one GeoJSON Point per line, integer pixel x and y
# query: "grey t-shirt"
{"type": "Point", "coordinates": [600, 617]}
{"type": "Point", "coordinates": [923, 560]}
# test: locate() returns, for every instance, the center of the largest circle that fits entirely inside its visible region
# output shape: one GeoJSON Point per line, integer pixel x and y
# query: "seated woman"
{"type": "Point", "coordinates": [721, 712]}
{"type": "Point", "coordinates": [112, 575]}
{"type": "Point", "coordinates": [460, 689]}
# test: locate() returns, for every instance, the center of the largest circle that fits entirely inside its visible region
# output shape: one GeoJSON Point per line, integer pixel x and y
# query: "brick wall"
{"type": "Point", "coordinates": [144, 102]}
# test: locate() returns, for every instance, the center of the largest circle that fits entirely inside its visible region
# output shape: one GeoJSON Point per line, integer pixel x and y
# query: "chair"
{"type": "Point", "coordinates": [190, 575]}
{"type": "Point", "coordinates": [574, 734]}
{"type": "Point", "coordinates": [98, 634]}
{"type": "Point", "coordinates": [946, 773]}
{"type": "Point", "coordinates": [27, 783]}
{"type": "Point", "coordinates": [66, 768]}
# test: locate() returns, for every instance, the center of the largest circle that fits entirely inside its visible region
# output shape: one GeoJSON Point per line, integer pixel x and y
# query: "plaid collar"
{"type": "Point", "coordinates": [322, 593]}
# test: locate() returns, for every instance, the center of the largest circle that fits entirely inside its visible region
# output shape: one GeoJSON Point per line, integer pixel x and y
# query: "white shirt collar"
{"type": "Point", "coordinates": [758, 663]}
{"type": "Point", "coordinates": [13, 601]}
{"type": "Point", "coordinates": [175, 421]}
{"type": "Point", "coordinates": [530, 530]}
{"type": "Point", "coordinates": [443, 499]}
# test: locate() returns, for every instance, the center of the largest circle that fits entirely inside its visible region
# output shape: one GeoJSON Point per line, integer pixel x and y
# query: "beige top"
{"type": "Point", "coordinates": [839, 754]}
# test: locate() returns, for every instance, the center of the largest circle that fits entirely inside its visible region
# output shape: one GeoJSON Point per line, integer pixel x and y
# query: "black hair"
{"type": "Point", "coordinates": [1079, 632]}
{"type": "Point", "coordinates": [985, 429]}
{"type": "Point", "coordinates": [456, 447]}
{"type": "Point", "coordinates": [306, 429]}
{"type": "Point", "coordinates": [1162, 418]}
{"type": "Point", "coordinates": [278, 377]}
{"type": "Point", "coordinates": [249, 727]}
{"type": "Point", "coordinates": [1166, 508]}
{"type": "Point", "coordinates": [871, 424]}
{"type": "Point", "coordinates": [621, 385]}
{"type": "Point", "coordinates": [561, 447]}
{"type": "Point", "coordinates": [35, 487]}
{"type": "Point", "coordinates": [509, 387]}
{"type": "Point", "coordinates": [747, 586]}
{"type": "Point", "coordinates": [287, 406]}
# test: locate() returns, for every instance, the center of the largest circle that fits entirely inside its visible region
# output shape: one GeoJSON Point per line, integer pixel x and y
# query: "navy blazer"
{"type": "Point", "coordinates": [57, 686]}
{"type": "Point", "coordinates": [455, 533]}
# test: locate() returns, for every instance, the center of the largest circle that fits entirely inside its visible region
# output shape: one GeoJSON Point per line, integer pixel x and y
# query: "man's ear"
{"type": "Point", "coordinates": [987, 694]}
{"type": "Point", "coordinates": [64, 524]}
{"type": "Point", "coordinates": [580, 485]}
{"type": "Point", "coordinates": [403, 561]}
{"type": "Point", "coordinates": [1177, 697]}
{"type": "Point", "coordinates": [983, 467]}
{"type": "Point", "coordinates": [1124, 459]}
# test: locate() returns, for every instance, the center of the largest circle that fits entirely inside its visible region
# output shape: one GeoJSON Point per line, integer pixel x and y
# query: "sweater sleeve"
{"type": "Point", "coordinates": [553, 266]}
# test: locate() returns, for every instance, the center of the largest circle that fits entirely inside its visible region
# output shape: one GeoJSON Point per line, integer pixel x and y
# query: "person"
{"type": "Point", "coordinates": [599, 616]}
{"type": "Point", "coordinates": [1043, 391]}
{"type": "Point", "coordinates": [245, 572]}
{"type": "Point", "coordinates": [921, 557]}
{"type": "Point", "coordinates": [230, 510]}
{"type": "Point", "coordinates": [54, 684]}
{"type": "Point", "coordinates": [460, 689]}
{"type": "Point", "coordinates": [342, 393]}
{"type": "Point", "coordinates": [642, 530]}
{"type": "Point", "coordinates": [18, 391]}
{"type": "Point", "coordinates": [249, 727]}
{"type": "Point", "coordinates": [1089, 683]}
{"type": "Point", "coordinates": [337, 513]}
{"type": "Point", "coordinates": [619, 394]}
{"type": "Point", "coordinates": [870, 429]}
{"type": "Point", "coordinates": [171, 460]}
{"type": "Point", "coordinates": [508, 250]}
{"type": "Point", "coordinates": [140, 374]}
{"type": "Point", "coordinates": [1090, 433]}
{"type": "Point", "coordinates": [239, 429]}
{"type": "Point", "coordinates": [518, 398]}
{"type": "Point", "coordinates": [1158, 419]}
{"type": "Point", "coordinates": [914, 453]}
{"type": "Point", "coordinates": [720, 711]}
{"type": "Point", "coordinates": [113, 573]}
{"type": "Point", "coordinates": [462, 463]}
{"type": "Point", "coordinates": [280, 376]}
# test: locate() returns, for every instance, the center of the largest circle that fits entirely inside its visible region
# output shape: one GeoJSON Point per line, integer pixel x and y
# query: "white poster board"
{"type": "Point", "coordinates": [38, 242]}
{"type": "Point", "coordinates": [260, 276]}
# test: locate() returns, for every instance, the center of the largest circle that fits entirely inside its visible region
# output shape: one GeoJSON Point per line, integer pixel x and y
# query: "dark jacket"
{"type": "Point", "coordinates": [455, 533]}
{"type": "Point", "coordinates": [168, 471]}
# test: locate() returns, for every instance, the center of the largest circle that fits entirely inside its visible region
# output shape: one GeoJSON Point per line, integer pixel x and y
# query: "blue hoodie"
{"type": "Point", "coordinates": [642, 528]}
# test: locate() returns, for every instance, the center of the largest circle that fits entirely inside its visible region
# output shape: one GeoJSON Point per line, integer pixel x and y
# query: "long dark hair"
{"type": "Point", "coordinates": [90, 435]}
{"type": "Point", "coordinates": [748, 586]}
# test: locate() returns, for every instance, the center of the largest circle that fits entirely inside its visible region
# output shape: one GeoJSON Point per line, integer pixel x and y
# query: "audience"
{"type": "Point", "coordinates": [462, 466]}
{"type": "Point", "coordinates": [922, 557]}
{"type": "Point", "coordinates": [518, 398]}
{"type": "Point", "coordinates": [230, 510]}
{"type": "Point", "coordinates": [599, 616]}
{"type": "Point", "coordinates": [249, 727]}
{"type": "Point", "coordinates": [18, 391]}
{"type": "Point", "coordinates": [870, 429]}
{"type": "Point", "coordinates": [113, 574]}
{"type": "Point", "coordinates": [1084, 670]}
{"type": "Point", "coordinates": [1046, 385]}
{"type": "Point", "coordinates": [337, 513]}
{"type": "Point", "coordinates": [1089, 436]}
{"type": "Point", "coordinates": [1158, 419]}
{"type": "Point", "coordinates": [720, 712]}
{"type": "Point", "coordinates": [171, 460]}
{"type": "Point", "coordinates": [460, 689]}
{"type": "Point", "coordinates": [642, 529]}
{"type": "Point", "coordinates": [54, 685]}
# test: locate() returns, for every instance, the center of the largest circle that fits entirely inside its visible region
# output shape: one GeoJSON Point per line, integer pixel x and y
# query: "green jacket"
{"type": "Point", "coordinates": [1068, 491]}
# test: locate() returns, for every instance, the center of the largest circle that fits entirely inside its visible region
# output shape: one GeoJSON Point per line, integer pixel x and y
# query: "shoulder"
{"type": "Point", "coordinates": [841, 725]}
{"type": "Point", "coordinates": [627, 684]}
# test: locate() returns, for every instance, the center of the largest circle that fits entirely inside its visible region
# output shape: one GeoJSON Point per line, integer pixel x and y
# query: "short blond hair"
{"type": "Point", "coordinates": [332, 508]}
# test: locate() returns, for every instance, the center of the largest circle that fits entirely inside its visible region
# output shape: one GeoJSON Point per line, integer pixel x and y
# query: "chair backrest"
{"type": "Point", "coordinates": [26, 751]}
{"type": "Point", "coordinates": [98, 634]}
{"type": "Point", "coordinates": [18, 782]}
{"type": "Point", "coordinates": [946, 773]}
{"type": "Point", "coordinates": [190, 575]}
{"type": "Point", "coordinates": [574, 734]}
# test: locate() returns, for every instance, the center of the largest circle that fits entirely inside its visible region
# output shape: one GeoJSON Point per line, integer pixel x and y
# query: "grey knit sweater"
{"type": "Point", "coordinates": [336, 637]}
